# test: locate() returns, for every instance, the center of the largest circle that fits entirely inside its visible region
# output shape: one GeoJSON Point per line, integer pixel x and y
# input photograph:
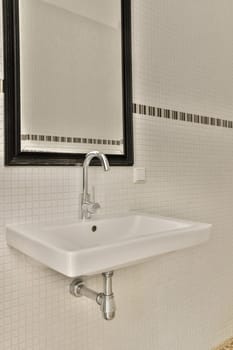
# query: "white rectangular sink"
{"type": "Point", "coordinates": [85, 248]}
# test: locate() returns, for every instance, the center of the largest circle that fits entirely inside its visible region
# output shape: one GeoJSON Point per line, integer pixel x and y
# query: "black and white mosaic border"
{"type": "Point", "coordinates": [63, 139]}
{"type": "Point", "coordinates": [182, 116]}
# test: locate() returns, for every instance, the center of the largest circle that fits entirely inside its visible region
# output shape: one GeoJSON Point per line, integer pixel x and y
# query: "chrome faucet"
{"type": "Point", "coordinates": [88, 206]}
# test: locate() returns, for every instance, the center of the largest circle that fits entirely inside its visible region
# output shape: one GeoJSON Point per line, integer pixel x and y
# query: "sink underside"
{"type": "Point", "coordinates": [84, 248]}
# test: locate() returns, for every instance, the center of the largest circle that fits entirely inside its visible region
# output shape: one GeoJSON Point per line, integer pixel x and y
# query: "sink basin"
{"type": "Point", "coordinates": [85, 248]}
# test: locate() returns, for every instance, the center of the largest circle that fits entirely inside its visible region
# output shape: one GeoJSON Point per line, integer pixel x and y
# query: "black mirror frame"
{"type": "Point", "coordinates": [13, 154]}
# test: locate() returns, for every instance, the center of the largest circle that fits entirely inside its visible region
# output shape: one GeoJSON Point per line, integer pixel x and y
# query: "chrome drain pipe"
{"type": "Point", "coordinates": [105, 300]}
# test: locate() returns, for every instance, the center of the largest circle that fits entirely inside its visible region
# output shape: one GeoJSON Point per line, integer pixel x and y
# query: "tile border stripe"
{"type": "Point", "coordinates": [63, 139]}
{"type": "Point", "coordinates": [157, 112]}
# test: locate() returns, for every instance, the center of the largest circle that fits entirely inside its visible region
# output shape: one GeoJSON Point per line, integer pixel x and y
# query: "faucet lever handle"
{"type": "Point", "coordinates": [93, 194]}
{"type": "Point", "coordinates": [93, 207]}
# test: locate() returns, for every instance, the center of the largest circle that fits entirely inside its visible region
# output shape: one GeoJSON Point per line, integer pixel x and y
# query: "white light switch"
{"type": "Point", "coordinates": [139, 175]}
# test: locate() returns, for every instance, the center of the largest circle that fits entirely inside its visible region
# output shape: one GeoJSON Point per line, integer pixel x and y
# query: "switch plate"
{"type": "Point", "coordinates": [139, 175]}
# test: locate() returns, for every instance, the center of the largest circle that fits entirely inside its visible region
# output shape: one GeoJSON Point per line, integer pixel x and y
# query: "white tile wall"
{"type": "Point", "coordinates": [189, 64]}
{"type": "Point", "coordinates": [178, 301]}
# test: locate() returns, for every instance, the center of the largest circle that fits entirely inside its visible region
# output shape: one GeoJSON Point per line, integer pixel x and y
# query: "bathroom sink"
{"type": "Point", "coordinates": [97, 245]}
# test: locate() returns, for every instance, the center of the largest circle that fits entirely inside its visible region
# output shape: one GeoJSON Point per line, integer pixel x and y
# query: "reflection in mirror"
{"type": "Point", "coordinates": [71, 76]}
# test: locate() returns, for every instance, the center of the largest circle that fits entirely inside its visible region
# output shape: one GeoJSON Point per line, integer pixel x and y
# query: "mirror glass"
{"type": "Point", "coordinates": [71, 88]}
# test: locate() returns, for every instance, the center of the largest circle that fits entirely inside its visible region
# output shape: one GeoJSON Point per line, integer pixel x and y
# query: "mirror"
{"type": "Point", "coordinates": [68, 72]}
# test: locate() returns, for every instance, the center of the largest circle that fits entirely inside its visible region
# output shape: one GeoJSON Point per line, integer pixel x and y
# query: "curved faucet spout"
{"type": "Point", "coordinates": [96, 154]}
{"type": "Point", "coordinates": [87, 206]}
